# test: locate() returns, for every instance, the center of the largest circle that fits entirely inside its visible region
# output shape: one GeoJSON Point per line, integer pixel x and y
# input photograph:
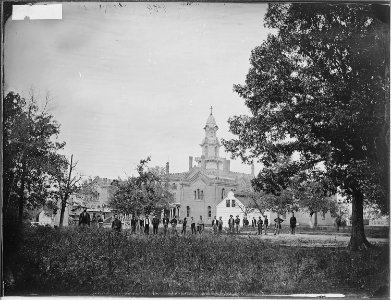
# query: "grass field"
{"type": "Point", "coordinates": [101, 262]}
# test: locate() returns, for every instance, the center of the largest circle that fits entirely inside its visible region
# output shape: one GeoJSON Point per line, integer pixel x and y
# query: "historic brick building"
{"type": "Point", "coordinates": [208, 180]}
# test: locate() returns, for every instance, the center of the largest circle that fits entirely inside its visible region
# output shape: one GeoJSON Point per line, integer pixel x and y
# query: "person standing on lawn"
{"type": "Point", "coordinates": [254, 223]}
{"type": "Point", "coordinates": [100, 221]}
{"type": "Point", "coordinates": [192, 225]}
{"type": "Point", "coordinates": [133, 224]}
{"type": "Point", "coordinates": [141, 222]}
{"type": "Point", "coordinates": [237, 224]}
{"type": "Point", "coordinates": [200, 225]}
{"type": "Point", "coordinates": [155, 224]}
{"type": "Point", "coordinates": [215, 225]}
{"type": "Point", "coordinates": [94, 220]}
{"type": "Point", "coordinates": [231, 224]}
{"type": "Point", "coordinates": [146, 225]}
{"type": "Point", "coordinates": [277, 225]}
{"type": "Point", "coordinates": [220, 225]}
{"type": "Point", "coordinates": [260, 223]}
{"type": "Point", "coordinates": [245, 222]}
{"type": "Point", "coordinates": [84, 218]}
{"type": "Point", "coordinates": [266, 223]}
{"type": "Point", "coordinates": [116, 224]}
{"type": "Point", "coordinates": [293, 222]}
{"type": "Point", "coordinates": [174, 223]}
{"type": "Point", "coordinates": [184, 224]}
{"type": "Point", "coordinates": [166, 220]}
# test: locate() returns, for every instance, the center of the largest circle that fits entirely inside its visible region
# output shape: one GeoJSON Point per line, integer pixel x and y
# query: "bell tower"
{"type": "Point", "coordinates": [210, 146]}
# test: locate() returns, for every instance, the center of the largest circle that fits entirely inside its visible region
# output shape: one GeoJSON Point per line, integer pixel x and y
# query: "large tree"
{"type": "Point", "coordinates": [319, 87]}
{"type": "Point", "coordinates": [145, 193]}
{"type": "Point", "coordinates": [29, 149]}
{"type": "Point", "coordinates": [65, 182]}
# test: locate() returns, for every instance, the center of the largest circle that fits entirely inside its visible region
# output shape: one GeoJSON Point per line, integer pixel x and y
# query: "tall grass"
{"type": "Point", "coordinates": [95, 262]}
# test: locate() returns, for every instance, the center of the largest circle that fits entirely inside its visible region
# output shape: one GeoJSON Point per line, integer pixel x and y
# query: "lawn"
{"type": "Point", "coordinates": [101, 262]}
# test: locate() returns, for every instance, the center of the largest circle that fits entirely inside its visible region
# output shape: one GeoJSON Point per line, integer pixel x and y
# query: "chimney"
{"type": "Point", "coordinates": [167, 168]}
{"type": "Point", "coordinates": [226, 165]}
{"type": "Point", "coordinates": [190, 162]}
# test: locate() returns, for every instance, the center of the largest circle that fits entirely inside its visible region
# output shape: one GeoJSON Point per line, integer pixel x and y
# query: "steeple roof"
{"type": "Point", "coordinates": [211, 121]}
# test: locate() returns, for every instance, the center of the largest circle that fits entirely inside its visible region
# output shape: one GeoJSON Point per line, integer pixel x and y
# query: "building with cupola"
{"type": "Point", "coordinates": [209, 178]}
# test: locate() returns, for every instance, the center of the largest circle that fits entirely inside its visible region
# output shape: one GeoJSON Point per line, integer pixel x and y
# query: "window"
{"type": "Point", "coordinates": [209, 212]}
{"type": "Point", "coordinates": [198, 193]}
{"type": "Point", "coordinates": [188, 211]}
{"type": "Point", "coordinates": [195, 195]}
{"type": "Point", "coordinates": [227, 203]}
{"type": "Point", "coordinates": [222, 193]}
{"type": "Point", "coordinates": [202, 194]}
{"type": "Point", "coordinates": [174, 186]}
{"type": "Point", "coordinates": [233, 203]}
{"type": "Point", "coordinates": [323, 215]}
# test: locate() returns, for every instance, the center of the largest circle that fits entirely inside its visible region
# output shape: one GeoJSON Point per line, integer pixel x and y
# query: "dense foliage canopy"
{"type": "Point", "coordinates": [319, 89]}
{"type": "Point", "coordinates": [146, 193]}
{"type": "Point", "coordinates": [30, 157]}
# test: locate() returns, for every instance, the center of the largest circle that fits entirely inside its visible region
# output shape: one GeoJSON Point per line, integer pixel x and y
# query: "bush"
{"type": "Point", "coordinates": [74, 261]}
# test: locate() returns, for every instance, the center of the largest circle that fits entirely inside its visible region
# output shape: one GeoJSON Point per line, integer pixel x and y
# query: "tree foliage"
{"type": "Point", "coordinates": [29, 152]}
{"type": "Point", "coordinates": [314, 198]}
{"type": "Point", "coordinates": [319, 88]}
{"type": "Point", "coordinates": [146, 193]}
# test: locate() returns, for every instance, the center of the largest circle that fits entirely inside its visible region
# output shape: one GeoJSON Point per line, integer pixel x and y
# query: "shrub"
{"type": "Point", "coordinates": [74, 261]}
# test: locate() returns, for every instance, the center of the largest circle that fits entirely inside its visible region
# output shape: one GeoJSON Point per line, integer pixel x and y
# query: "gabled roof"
{"type": "Point", "coordinates": [231, 196]}
{"type": "Point", "coordinates": [198, 175]}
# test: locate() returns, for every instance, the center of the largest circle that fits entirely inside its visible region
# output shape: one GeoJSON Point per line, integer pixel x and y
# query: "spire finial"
{"type": "Point", "coordinates": [211, 108]}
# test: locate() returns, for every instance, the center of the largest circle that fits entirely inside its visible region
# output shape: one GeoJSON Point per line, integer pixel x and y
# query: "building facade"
{"type": "Point", "coordinates": [198, 191]}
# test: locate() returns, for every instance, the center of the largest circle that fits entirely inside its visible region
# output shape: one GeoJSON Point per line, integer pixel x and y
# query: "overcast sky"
{"type": "Point", "coordinates": [137, 80]}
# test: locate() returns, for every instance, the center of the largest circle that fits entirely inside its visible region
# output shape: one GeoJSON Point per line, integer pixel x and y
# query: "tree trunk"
{"type": "Point", "coordinates": [357, 238]}
{"type": "Point", "coordinates": [311, 223]}
{"type": "Point", "coordinates": [66, 195]}
{"type": "Point", "coordinates": [62, 211]}
{"type": "Point", "coordinates": [316, 220]}
{"type": "Point", "coordinates": [21, 203]}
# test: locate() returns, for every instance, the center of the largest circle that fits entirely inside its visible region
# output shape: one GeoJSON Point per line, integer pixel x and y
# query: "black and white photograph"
{"type": "Point", "coordinates": [196, 149]}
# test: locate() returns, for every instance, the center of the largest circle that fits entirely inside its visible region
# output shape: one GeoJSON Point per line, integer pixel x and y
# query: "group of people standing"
{"type": "Point", "coordinates": [143, 225]}
{"type": "Point", "coordinates": [86, 220]}
{"type": "Point", "coordinates": [259, 225]}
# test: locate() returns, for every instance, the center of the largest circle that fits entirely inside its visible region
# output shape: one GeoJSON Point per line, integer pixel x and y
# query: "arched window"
{"type": "Point", "coordinates": [222, 193]}
{"type": "Point", "coordinates": [209, 212]}
{"type": "Point", "coordinates": [195, 195]}
{"type": "Point", "coordinates": [202, 194]}
{"type": "Point", "coordinates": [198, 193]}
{"type": "Point", "coordinates": [188, 211]}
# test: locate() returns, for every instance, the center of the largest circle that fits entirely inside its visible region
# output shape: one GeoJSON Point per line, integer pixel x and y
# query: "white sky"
{"type": "Point", "coordinates": [137, 80]}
